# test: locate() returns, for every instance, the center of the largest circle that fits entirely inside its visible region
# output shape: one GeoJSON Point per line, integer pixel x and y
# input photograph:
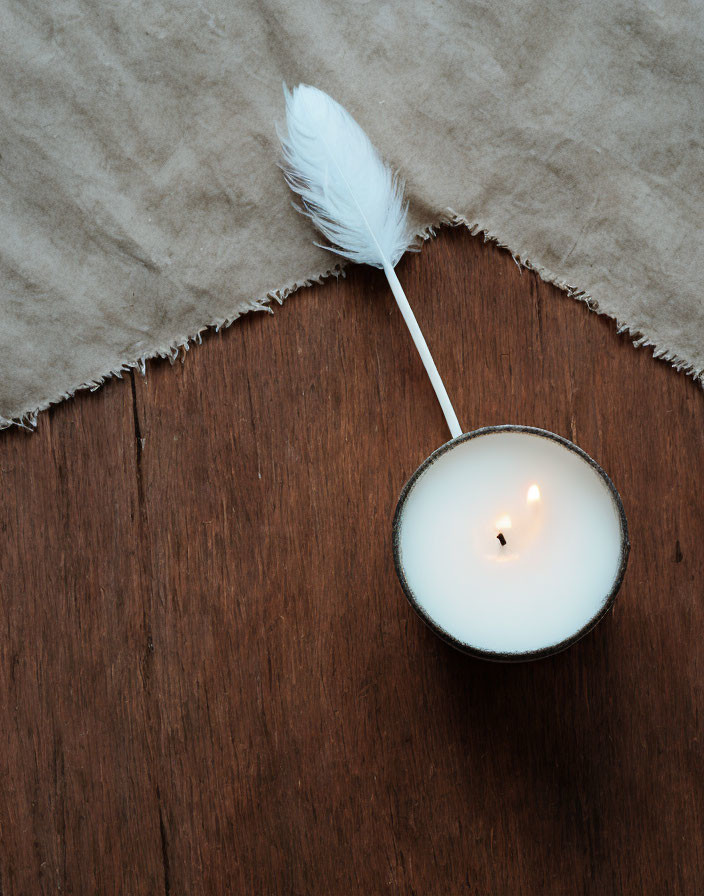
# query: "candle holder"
{"type": "Point", "coordinates": [618, 528]}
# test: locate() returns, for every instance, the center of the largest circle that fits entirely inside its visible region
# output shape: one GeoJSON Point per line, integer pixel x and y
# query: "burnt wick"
{"type": "Point", "coordinates": [502, 540]}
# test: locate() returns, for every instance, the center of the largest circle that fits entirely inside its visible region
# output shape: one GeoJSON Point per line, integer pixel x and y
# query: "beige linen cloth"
{"type": "Point", "coordinates": [141, 202]}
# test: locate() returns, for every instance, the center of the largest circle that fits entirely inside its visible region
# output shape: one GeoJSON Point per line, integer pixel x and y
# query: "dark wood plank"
{"type": "Point", "coordinates": [211, 682]}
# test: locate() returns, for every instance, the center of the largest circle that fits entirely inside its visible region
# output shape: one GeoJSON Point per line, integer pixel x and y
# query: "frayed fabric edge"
{"type": "Point", "coordinates": [28, 420]}
{"type": "Point", "coordinates": [639, 339]}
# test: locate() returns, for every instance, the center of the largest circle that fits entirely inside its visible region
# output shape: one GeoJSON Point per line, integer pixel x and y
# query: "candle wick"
{"type": "Point", "coordinates": [502, 540]}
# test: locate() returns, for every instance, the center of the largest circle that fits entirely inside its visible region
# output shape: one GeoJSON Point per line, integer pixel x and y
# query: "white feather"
{"type": "Point", "coordinates": [349, 193]}
{"type": "Point", "coordinates": [354, 199]}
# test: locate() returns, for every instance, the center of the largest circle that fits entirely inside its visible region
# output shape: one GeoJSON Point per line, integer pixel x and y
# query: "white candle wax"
{"type": "Point", "coordinates": [510, 541]}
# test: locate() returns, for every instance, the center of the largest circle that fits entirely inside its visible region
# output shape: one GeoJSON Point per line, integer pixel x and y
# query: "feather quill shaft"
{"type": "Point", "coordinates": [354, 199]}
{"type": "Point", "coordinates": [424, 352]}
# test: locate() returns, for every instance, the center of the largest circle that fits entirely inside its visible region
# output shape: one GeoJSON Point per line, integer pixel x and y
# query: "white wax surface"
{"type": "Point", "coordinates": [563, 542]}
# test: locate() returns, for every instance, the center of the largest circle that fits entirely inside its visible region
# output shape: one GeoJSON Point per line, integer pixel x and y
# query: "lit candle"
{"type": "Point", "coordinates": [510, 542]}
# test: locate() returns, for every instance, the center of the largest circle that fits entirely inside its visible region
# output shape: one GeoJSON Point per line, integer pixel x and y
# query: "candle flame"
{"type": "Point", "coordinates": [533, 494]}
{"type": "Point", "coordinates": [504, 522]}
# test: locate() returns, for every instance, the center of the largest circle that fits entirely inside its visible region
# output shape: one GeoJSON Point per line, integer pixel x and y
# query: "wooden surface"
{"type": "Point", "coordinates": [210, 681]}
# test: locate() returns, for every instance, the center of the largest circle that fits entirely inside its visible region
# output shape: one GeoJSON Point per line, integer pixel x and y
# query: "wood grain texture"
{"type": "Point", "coordinates": [211, 682]}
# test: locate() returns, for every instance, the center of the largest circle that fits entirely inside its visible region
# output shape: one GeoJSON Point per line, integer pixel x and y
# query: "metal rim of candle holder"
{"type": "Point", "coordinates": [506, 657]}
